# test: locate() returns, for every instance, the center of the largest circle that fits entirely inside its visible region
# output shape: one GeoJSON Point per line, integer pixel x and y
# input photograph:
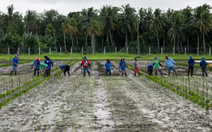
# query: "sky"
{"type": "Point", "coordinates": [66, 6]}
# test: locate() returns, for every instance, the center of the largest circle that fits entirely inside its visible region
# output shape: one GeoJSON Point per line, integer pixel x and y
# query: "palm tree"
{"type": "Point", "coordinates": [87, 15]}
{"type": "Point", "coordinates": [94, 30]}
{"type": "Point", "coordinates": [176, 32]}
{"type": "Point", "coordinates": [127, 21]}
{"type": "Point", "coordinates": [108, 16]}
{"type": "Point", "coordinates": [204, 24]}
{"type": "Point", "coordinates": [157, 25]}
{"type": "Point", "coordinates": [187, 12]}
{"type": "Point", "coordinates": [10, 10]}
{"type": "Point", "coordinates": [51, 31]}
{"type": "Point", "coordinates": [65, 31]}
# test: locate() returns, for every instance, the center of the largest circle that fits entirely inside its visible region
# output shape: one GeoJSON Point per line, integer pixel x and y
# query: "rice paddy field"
{"type": "Point", "coordinates": [102, 103]}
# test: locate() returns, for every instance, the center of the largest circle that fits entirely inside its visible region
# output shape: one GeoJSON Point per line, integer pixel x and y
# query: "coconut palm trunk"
{"type": "Point", "coordinates": [187, 43]}
{"type": "Point", "coordinates": [64, 35]}
{"type": "Point", "coordinates": [86, 40]}
{"type": "Point", "coordinates": [203, 37]}
{"type": "Point", "coordinates": [198, 44]}
{"type": "Point", "coordinates": [126, 41]}
{"type": "Point", "coordinates": [55, 41]}
{"type": "Point", "coordinates": [77, 39]}
{"type": "Point", "coordinates": [158, 43]}
{"type": "Point", "coordinates": [111, 39]}
{"type": "Point", "coordinates": [72, 40]}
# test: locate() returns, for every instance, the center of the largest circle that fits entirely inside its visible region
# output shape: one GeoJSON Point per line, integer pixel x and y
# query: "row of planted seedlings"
{"type": "Point", "coordinates": [70, 123]}
{"type": "Point", "coordinates": [59, 81]}
{"type": "Point", "coordinates": [198, 94]}
{"type": "Point", "coordinates": [201, 87]}
{"type": "Point", "coordinates": [67, 88]}
{"type": "Point", "coordinates": [185, 92]}
{"type": "Point", "coordinates": [54, 82]}
{"type": "Point", "coordinates": [8, 83]}
{"type": "Point", "coordinates": [9, 93]}
{"type": "Point", "coordinates": [126, 115]}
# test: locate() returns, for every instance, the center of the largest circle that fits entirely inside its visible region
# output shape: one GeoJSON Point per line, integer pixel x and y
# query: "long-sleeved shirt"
{"type": "Point", "coordinates": [135, 64]}
{"type": "Point", "coordinates": [169, 62]}
{"type": "Point", "coordinates": [15, 62]}
{"type": "Point", "coordinates": [49, 62]}
{"type": "Point", "coordinates": [191, 63]}
{"type": "Point", "coordinates": [35, 64]}
{"type": "Point", "coordinates": [203, 64]}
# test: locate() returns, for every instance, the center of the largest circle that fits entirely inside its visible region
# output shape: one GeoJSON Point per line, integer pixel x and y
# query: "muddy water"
{"type": "Point", "coordinates": [102, 104]}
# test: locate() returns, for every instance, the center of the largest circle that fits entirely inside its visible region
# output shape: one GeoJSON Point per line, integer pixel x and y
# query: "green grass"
{"type": "Point", "coordinates": [101, 56]}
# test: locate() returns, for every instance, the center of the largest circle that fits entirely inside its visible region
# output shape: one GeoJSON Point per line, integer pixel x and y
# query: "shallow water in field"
{"type": "Point", "coordinates": [99, 103]}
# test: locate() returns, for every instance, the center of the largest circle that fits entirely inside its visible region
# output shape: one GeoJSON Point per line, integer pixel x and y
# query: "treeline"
{"type": "Point", "coordinates": [110, 26]}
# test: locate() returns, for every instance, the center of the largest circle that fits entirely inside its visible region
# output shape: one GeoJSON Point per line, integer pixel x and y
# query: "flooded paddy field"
{"type": "Point", "coordinates": [102, 103]}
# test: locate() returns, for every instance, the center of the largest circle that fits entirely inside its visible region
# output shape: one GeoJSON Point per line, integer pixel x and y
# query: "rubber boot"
{"type": "Point", "coordinates": [125, 74]}
{"type": "Point", "coordinates": [135, 75]}
{"type": "Point", "coordinates": [84, 74]}
{"type": "Point", "coordinates": [122, 74]}
{"type": "Point", "coordinates": [89, 73]}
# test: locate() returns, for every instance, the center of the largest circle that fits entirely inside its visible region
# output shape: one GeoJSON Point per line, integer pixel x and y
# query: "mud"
{"type": "Point", "coordinates": [103, 104]}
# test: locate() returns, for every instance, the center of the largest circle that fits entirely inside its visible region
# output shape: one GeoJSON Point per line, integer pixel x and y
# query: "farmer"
{"type": "Point", "coordinates": [122, 66]}
{"type": "Point", "coordinates": [49, 62]}
{"type": "Point", "coordinates": [135, 66]}
{"type": "Point", "coordinates": [85, 64]}
{"type": "Point", "coordinates": [15, 62]}
{"type": "Point", "coordinates": [108, 67]}
{"type": "Point", "coordinates": [36, 62]}
{"type": "Point", "coordinates": [150, 68]}
{"type": "Point", "coordinates": [203, 65]}
{"type": "Point", "coordinates": [191, 63]}
{"type": "Point", "coordinates": [64, 69]}
{"type": "Point", "coordinates": [169, 63]}
{"type": "Point", "coordinates": [157, 65]}
{"type": "Point", "coordinates": [44, 67]}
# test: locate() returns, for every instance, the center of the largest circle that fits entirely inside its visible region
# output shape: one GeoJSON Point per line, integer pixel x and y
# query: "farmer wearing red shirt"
{"type": "Point", "coordinates": [85, 64]}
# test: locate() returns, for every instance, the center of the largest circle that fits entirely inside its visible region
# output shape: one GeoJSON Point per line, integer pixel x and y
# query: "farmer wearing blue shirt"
{"type": "Point", "coordinates": [191, 63]}
{"type": "Point", "coordinates": [49, 62]}
{"type": "Point", "coordinates": [108, 67]}
{"type": "Point", "coordinates": [15, 62]}
{"type": "Point", "coordinates": [169, 63]}
{"type": "Point", "coordinates": [37, 67]}
{"type": "Point", "coordinates": [122, 66]}
{"type": "Point", "coordinates": [150, 68]}
{"type": "Point", "coordinates": [203, 65]}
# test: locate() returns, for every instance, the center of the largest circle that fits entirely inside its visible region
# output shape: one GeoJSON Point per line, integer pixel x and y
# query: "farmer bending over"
{"type": "Point", "coordinates": [108, 67]}
{"type": "Point", "coordinates": [135, 66]}
{"type": "Point", "coordinates": [157, 65]}
{"type": "Point", "coordinates": [85, 64]}
{"type": "Point", "coordinates": [64, 69]}
{"type": "Point", "coordinates": [203, 65]}
{"type": "Point", "coordinates": [49, 62]}
{"type": "Point", "coordinates": [36, 62]}
{"type": "Point", "coordinates": [44, 67]}
{"type": "Point", "coordinates": [191, 63]}
{"type": "Point", "coordinates": [169, 63]}
{"type": "Point", "coordinates": [122, 66]}
{"type": "Point", "coordinates": [15, 62]}
{"type": "Point", "coordinates": [150, 68]}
